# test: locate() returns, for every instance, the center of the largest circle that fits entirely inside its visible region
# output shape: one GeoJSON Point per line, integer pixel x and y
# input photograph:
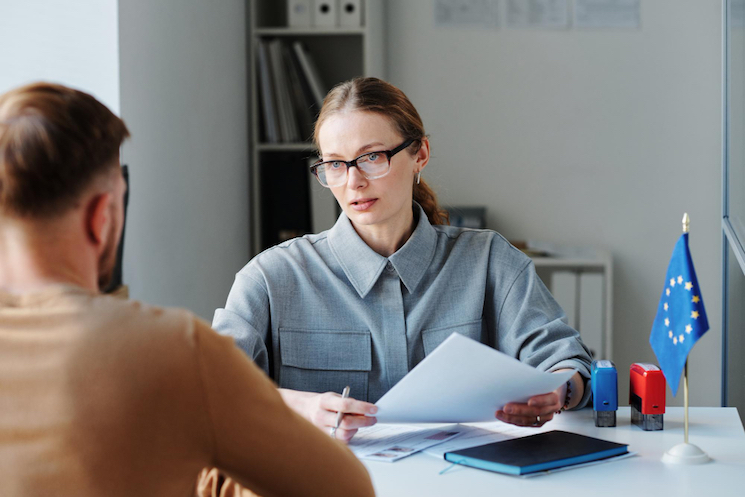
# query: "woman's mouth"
{"type": "Point", "coordinates": [362, 204]}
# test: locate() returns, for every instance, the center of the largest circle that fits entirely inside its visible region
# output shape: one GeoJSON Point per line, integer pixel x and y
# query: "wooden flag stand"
{"type": "Point", "coordinates": [685, 453]}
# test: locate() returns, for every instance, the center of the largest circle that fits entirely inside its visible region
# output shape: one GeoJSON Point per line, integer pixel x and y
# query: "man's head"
{"type": "Point", "coordinates": [59, 162]}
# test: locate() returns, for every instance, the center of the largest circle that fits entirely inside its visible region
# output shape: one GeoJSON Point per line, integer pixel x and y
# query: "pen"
{"type": "Point", "coordinates": [340, 414]}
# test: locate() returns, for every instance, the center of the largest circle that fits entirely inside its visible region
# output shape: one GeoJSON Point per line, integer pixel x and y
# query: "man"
{"type": "Point", "coordinates": [101, 396]}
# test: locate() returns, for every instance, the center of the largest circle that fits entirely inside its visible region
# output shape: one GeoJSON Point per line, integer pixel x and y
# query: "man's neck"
{"type": "Point", "coordinates": [39, 255]}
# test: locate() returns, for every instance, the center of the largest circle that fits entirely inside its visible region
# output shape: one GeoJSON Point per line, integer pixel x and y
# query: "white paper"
{"type": "Point", "coordinates": [463, 381]}
{"type": "Point", "coordinates": [607, 13]}
{"type": "Point", "coordinates": [389, 443]}
{"type": "Point", "coordinates": [479, 434]}
{"type": "Point", "coordinates": [538, 13]}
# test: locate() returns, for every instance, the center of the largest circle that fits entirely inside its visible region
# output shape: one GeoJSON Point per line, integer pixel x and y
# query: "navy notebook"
{"type": "Point", "coordinates": [540, 452]}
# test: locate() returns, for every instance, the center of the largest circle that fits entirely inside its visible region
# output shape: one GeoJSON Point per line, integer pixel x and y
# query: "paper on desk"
{"type": "Point", "coordinates": [463, 381]}
{"type": "Point", "coordinates": [390, 443]}
{"type": "Point", "coordinates": [479, 434]}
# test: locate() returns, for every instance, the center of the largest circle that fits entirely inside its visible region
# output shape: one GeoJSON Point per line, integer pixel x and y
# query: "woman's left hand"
{"type": "Point", "coordinates": [537, 411]}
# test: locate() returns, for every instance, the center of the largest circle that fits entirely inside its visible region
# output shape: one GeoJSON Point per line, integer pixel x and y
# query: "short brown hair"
{"type": "Point", "coordinates": [376, 95]}
{"type": "Point", "coordinates": [54, 142]}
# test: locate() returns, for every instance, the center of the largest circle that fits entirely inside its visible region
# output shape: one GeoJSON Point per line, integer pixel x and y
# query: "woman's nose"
{"type": "Point", "coordinates": [355, 179]}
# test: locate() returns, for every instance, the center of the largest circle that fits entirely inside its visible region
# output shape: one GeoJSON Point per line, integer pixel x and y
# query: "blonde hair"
{"type": "Point", "coordinates": [376, 95]}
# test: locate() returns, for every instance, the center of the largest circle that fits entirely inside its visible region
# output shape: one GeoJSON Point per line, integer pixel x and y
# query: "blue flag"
{"type": "Point", "coordinates": [681, 317]}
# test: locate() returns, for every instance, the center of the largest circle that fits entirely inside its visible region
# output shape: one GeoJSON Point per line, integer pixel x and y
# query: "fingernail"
{"type": "Point", "coordinates": [508, 409]}
{"type": "Point", "coordinates": [372, 410]}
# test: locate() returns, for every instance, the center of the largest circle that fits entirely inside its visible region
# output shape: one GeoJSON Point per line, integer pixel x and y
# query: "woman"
{"type": "Point", "coordinates": [364, 302]}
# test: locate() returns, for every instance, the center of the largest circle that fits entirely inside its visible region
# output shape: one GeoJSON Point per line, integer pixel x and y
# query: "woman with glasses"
{"type": "Point", "coordinates": [363, 303]}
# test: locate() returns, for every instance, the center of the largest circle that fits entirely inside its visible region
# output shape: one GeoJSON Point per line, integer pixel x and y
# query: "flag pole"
{"type": "Point", "coordinates": [685, 453]}
{"type": "Point", "coordinates": [686, 227]}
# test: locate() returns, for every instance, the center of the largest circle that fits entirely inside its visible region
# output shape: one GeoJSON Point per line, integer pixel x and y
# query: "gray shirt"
{"type": "Point", "coordinates": [325, 311]}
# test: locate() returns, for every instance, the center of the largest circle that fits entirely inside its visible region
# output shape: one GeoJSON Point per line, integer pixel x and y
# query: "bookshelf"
{"type": "Point", "coordinates": [283, 192]}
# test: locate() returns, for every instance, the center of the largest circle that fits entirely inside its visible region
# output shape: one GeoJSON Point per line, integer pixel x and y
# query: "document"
{"type": "Point", "coordinates": [389, 443]}
{"type": "Point", "coordinates": [479, 434]}
{"type": "Point", "coordinates": [463, 381]}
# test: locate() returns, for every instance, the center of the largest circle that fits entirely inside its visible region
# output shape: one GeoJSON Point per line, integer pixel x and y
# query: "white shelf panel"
{"type": "Point", "coordinates": [308, 31]}
{"type": "Point", "coordinates": [285, 147]}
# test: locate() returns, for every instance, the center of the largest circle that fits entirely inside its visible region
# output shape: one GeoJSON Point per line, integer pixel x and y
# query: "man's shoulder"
{"type": "Point", "coordinates": [136, 318]}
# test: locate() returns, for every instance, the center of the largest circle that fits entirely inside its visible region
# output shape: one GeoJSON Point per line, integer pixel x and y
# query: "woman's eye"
{"type": "Point", "coordinates": [336, 165]}
{"type": "Point", "coordinates": [373, 157]}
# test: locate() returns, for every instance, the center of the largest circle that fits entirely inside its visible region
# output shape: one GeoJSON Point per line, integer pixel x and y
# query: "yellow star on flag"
{"type": "Point", "coordinates": [672, 282]}
{"type": "Point", "coordinates": [681, 338]}
{"type": "Point", "coordinates": [689, 285]}
{"type": "Point", "coordinates": [696, 299]}
{"type": "Point", "coordinates": [670, 333]}
{"type": "Point", "coordinates": [694, 314]}
{"type": "Point", "coordinates": [665, 306]}
{"type": "Point", "coordinates": [680, 280]}
{"type": "Point", "coordinates": [667, 322]}
{"type": "Point", "coordinates": [689, 328]}
{"type": "Point", "coordinates": [667, 291]}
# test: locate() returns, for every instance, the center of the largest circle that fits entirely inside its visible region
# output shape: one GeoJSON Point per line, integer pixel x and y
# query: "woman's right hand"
{"type": "Point", "coordinates": [321, 409]}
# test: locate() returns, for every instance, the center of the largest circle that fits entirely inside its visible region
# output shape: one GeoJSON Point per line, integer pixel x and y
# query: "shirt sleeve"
{"type": "Point", "coordinates": [532, 327]}
{"type": "Point", "coordinates": [245, 318]}
{"type": "Point", "coordinates": [259, 441]}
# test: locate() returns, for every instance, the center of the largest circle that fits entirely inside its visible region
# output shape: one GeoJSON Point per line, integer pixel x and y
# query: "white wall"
{"type": "Point", "coordinates": [184, 98]}
{"type": "Point", "coordinates": [75, 43]}
{"type": "Point", "coordinates": [583, 137]}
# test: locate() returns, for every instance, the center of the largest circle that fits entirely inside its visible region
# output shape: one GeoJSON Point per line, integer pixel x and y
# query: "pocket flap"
{"type": "Point", "coordinates": [433, 337]}
{"type": "Point", "coordinates": [326, 350]}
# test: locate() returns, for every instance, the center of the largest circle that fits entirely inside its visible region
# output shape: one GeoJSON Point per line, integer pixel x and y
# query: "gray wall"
{"type": "Point", "coordinates": [72, 43]}
{"type": "Point", "coordinates": [184, 98]}
{"type": "Point", "coordinates": [583, 137]}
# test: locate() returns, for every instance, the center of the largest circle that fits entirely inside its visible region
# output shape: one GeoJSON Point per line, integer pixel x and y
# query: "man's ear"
{"type": "Point", "coordinates": [98, 218]}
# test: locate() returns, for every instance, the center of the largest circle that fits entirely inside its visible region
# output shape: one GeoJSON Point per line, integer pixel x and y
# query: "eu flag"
{"type": "Point", "coordinates": [681, 318]}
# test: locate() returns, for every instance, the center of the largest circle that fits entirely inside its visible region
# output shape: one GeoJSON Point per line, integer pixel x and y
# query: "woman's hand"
{"type": "Point", "coordinates": [540, 409]}
{"type": "Point", "coordinates": [536, 412]}
{"type": "Point", "coordinates": [321, 409]}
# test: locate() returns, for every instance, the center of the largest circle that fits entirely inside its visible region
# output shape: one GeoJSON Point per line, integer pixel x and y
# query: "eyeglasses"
{"type": "Point", "coordinates": [372, 165]}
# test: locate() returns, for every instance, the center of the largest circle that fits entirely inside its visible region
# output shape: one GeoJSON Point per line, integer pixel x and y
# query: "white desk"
{"type": "Point", "coordinates": [718, 431]}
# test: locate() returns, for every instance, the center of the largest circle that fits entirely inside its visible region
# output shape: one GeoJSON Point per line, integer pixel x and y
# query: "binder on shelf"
{"type": "Point", "coordinates": [564, 290]}
{"type": "Point", "coordinates": [287, 121]}
{"type": "Point", "coordinates": [298, 13]}
{"type": "Point", "coordinates": [591, 323]}
{"type": "Point", "coordinates": [266, 91]}
{"type": "Point", "coordinates": [350, 13]}
{"type": "Point", "coordinates": [302, 103]}
{"type": "Point", "coordinates": [325, 13]}
{"type": "Point", "coordinates": [310, 72]}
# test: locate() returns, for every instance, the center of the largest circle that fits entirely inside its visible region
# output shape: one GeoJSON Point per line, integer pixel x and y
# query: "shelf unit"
{"type": "Point", "coordinates": [281, 185]}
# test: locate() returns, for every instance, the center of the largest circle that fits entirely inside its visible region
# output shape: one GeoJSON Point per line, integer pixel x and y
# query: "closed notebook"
{"type": "Point", "coordinates": [540, 452]}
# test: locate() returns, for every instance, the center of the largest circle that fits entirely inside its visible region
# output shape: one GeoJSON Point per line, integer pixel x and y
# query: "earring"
{"type": "Point", "coordinates": [418, 176]}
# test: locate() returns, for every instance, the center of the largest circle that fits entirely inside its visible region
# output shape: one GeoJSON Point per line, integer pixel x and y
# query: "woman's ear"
{"type": "Point", "coordinates": [422, 155]}
{"type": "Point", "coordinates": [99, 218]}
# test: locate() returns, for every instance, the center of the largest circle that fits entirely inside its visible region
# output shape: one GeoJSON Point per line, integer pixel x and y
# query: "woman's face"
{"type": "Point", "coordinates": [370, 202]}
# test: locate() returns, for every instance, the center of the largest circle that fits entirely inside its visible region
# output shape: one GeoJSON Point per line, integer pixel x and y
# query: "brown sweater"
{"type": "Point", "coordinates": [100, 396]}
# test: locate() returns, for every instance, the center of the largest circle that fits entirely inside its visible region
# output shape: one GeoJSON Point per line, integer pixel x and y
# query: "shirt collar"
{"type": "Point", "coordinates": [363, 266]}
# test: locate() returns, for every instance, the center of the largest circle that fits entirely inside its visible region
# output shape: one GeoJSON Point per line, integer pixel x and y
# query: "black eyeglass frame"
{"type": "Point", "coordinates": [353, 163]}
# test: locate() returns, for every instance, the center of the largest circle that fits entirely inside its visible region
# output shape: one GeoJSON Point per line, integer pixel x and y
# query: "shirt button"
{"type": "Point", "coordinates": [389, 267]}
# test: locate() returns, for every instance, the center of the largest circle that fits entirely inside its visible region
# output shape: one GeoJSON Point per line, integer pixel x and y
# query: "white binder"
{"type": "Point", "coordinates": [350, 13]}
{"type": "Point", "coordinates": [298, 13]}
{"type": "Point", "coordinates": [325, 13]}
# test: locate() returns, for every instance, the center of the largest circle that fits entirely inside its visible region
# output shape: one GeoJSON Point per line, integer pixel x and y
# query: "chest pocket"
{"type": "Point", "coordinates": [433, 337]}
{"type": "Point", "coordinates": [325, 361]}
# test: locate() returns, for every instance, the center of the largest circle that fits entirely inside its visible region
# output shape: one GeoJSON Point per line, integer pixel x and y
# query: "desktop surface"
{"type": "Point", "coordinates": [718, 431]}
